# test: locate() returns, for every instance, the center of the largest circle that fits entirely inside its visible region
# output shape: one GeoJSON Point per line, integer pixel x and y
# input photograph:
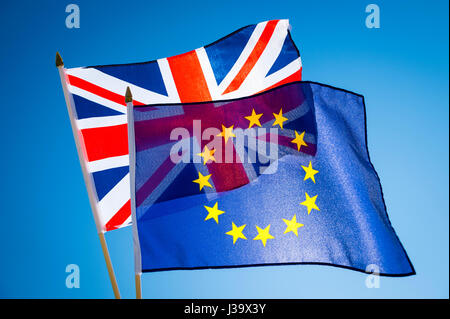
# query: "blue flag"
{"type": "Point", "coordinates": [281, 177]}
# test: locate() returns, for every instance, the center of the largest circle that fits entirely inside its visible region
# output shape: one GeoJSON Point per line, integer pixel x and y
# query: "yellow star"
{"type": "Point", "coordinates": [263, 235]}
{"type": "Point", "coordinates": [227, 132]}
{"type": "Point", "coordinates": [254, 119]}
{"type": "Point", "coordinates": [292, 225]}
{"type": "Point", "coordinates": [236, 232]}
{"type": "Point", "coordinates": [310, 172]}
{"type": "Point", "coordinates": [310, 202]}
{"type": "Point", "coordinates": [202, 180]}
{"type": "Point", "coordinates": [214, 212]}
{"type": "Point", "coordinates": [279, 119]}
{"type": "Point", "coordinates": [299, 140]}
{"type": "Point", "coordinates": [207, 155]}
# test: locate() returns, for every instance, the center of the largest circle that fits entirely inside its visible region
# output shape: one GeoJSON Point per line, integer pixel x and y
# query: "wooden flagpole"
{"type": "Point", "coordinates": [86, 176]}
{"type": "Point", "coordinates": [130, 120]}
{"type": "Point", "coordinates": [137, 282]}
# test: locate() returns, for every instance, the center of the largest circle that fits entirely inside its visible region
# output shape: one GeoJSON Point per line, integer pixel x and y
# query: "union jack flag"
{"type": "Point", "coordinates": [168, 140]}
{"type": "Point", "coordinates": [248, 61]}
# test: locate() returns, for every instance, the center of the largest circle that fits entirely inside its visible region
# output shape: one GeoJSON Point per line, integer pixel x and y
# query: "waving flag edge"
{"type": "Point", "coordinates": [137, 250]}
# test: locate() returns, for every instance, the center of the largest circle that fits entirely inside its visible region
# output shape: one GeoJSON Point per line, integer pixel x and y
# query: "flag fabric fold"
{"type": "Point", "coordinates": [250, 60]}
{"type": "Point", "coordinates": [299, 190]}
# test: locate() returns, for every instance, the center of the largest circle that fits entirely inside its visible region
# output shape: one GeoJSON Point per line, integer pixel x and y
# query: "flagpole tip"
{"type": "Point", "coordinates": [59, 61]}
{"type": "Point", "coordinates": [128, 96]}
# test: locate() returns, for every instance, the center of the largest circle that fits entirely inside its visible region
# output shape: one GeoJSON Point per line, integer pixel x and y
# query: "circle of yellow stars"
{"type": "Point", "coordinates": [237, 232]}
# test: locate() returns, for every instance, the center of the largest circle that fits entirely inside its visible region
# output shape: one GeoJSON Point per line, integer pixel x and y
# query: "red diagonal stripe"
{"type": "Point", "coordinates": [253, 57]}
{"type": "Point", "coordinates": [119, 218]}
{"type": "Point", "coordinates": [98, 90]}
{"type": "Point", "coordinates": [297, 76]}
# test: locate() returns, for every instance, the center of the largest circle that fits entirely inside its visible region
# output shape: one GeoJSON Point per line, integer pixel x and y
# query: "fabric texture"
{"type": "Point", "coordinates": [320, 203]}
{"type": "Point", "coordinates": [250, 60]}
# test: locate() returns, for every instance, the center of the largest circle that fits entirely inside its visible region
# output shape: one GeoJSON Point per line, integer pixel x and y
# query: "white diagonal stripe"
{"type": "Point", "coordinates": [107, 163]}
{"type": "Point", "coordinates": [116, 85]}
{"type": "Point", "coordinates": [109, 205]}
{"type": "Point", "coordinates": [97, 99]}
{"type": "Point", "coordinates": [166, 182]}
{"type": "Point", "coordinates": [254, 80]}
{"type": "Point", "coordinates": [208, 73]}
{"type": "Point", "coordinates": [243, 57]}
{"type": "Point", "coordinates": [127, 222]}
{"type": "Point", "coordinates": [169, 83]}
{"type": "Point", "coordinates": [281, 74]}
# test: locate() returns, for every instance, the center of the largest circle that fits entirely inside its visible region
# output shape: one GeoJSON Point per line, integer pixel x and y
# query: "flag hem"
{"type": "Point", "coordinates": [280, 264]}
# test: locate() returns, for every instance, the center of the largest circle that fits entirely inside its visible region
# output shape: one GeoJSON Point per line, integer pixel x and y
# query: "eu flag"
{"type": "Point", "coordinates": [280, 177]}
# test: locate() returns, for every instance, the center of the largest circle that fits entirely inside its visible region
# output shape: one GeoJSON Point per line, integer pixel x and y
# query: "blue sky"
{"type": "Point", "coordinates": [401, 69]}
